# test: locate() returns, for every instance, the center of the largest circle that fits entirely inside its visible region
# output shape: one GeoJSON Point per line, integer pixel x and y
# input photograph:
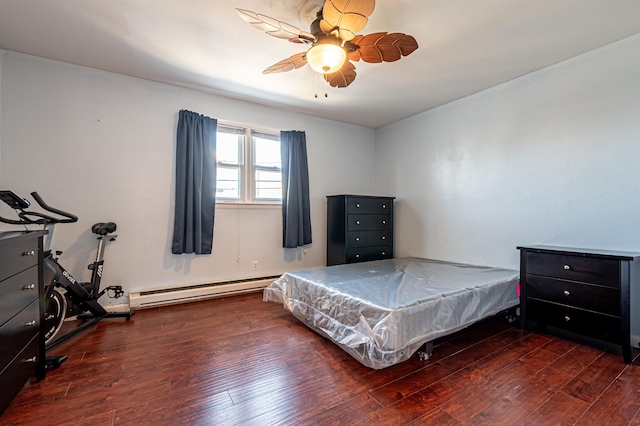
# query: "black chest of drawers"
{"type": "Point", "coordinates": [582, 291]}
{"type": "Point", "coordinates": [21, 310]}
{"type": "Point", "coordinates": [359, 228]}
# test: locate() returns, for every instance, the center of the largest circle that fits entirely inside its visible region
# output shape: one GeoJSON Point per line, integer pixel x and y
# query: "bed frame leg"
{"type": "Point", "coordinates": [511, 315]}
{"type": "Point", "coordinates": [425, 351]}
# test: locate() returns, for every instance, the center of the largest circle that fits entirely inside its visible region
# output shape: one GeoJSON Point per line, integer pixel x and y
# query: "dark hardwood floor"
{"type": "Point", "coordinates": [240, 360]}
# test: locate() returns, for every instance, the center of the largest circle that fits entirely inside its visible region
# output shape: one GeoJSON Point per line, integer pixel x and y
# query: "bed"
{"type": "Point", "coordinates": [382, 312]}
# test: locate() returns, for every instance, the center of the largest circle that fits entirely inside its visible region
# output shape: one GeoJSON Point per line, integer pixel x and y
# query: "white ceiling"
{"type": "Point", "coordinates": [465, 46]}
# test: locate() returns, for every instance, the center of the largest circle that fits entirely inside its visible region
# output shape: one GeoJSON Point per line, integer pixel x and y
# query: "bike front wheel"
{"type": "Point", "coordinates": [55, 309]}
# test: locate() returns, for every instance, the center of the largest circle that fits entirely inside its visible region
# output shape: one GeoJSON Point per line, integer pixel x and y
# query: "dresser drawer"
{"type": "Point", "coordinates": [590, 270]}
{"type": "Point", "coordinates": [18, 257]}
{"type": "Point", "coordinates": [15, 375]}
{"type": "Point", "coordinates": [357, 205]}
{"type": "Point", "coordinates": [368, 238]}
{"type": "Point", "coordinates": [17, 292]}
{"type": "Point", "coordinates": [368, 222]}
{"type": "Point", "coordinates": [600, 326]}
{"type": "Point", "coordinates": [369, 253]}
{"type": "Point", "coordinates": [18, 331]}
{"type": "Point", "coordinates": [596, 298]}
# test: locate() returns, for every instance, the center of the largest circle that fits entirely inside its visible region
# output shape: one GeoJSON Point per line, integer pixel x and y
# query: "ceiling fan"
{"type": "Point", "coordinates": [334, 42]}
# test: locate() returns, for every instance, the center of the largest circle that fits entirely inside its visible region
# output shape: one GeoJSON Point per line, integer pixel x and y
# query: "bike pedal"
{"type": "Point", "coordinates": [117, 291]}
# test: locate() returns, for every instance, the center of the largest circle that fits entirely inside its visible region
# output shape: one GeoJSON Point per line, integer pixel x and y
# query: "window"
{"type": "Point", "coordinates": [249, 166]}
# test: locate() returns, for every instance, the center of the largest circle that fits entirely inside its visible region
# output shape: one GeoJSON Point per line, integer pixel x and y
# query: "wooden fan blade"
{"type": "Point", "coordinates": [296, 61]}
{"type": "Point", "coordinates": [274, 27]}
{"type": "Point", "coordinates": [345, 17]}
{"type": "Point", "coordinates": [343, 77]}
{"type": "Point", "coordinates": [382, 47]}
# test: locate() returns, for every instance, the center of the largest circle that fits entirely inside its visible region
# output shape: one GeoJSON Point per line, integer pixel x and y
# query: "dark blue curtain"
{"type": "Point", "coordinates": [195, 184]}
{"type": "Point", "coordinates": [296, 213]}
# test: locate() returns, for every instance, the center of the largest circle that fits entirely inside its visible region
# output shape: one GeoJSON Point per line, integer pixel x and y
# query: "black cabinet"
{"type": "Point", "coordinates": [21, 311]}
{"type": "Point", "coordinates": [580, 290]}
{"type": "Point", "coordinates": [359, 228]}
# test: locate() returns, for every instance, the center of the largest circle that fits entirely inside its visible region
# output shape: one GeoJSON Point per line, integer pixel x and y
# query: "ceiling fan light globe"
{"type": "Point", "coordinates": [326, 58]}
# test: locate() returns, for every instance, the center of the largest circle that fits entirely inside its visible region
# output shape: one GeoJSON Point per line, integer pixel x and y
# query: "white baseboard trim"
{"type": "Point", "coordinates": [190, 293]}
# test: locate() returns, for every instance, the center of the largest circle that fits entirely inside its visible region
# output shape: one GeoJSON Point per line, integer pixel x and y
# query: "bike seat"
{"type": "Point", "coordinates": [102, 228]}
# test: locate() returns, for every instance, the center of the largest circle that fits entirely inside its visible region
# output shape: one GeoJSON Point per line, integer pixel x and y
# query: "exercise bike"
{"type": "Point", "coordinates": [64, 295]}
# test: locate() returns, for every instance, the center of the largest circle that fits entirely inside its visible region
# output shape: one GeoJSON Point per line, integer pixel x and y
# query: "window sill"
{"type": "Point", "coordinates": [241, 205]}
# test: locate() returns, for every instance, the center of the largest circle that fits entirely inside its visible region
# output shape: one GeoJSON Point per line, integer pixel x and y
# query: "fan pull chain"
{"type": "Point", "coordinates": [326, 95]}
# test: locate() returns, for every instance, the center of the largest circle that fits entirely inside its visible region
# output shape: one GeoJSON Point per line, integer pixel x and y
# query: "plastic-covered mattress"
{"type": "Point", "coordinates": [381, 312]}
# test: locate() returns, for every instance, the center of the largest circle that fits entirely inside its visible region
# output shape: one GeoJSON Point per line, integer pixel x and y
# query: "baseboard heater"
{"type": "Point", "coordinates": [191, 293]}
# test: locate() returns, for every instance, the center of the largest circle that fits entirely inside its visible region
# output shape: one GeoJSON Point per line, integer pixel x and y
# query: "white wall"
{"type": "Point", "coordinates": [550, 158]}
{"type": "Point", "coordinates": [101, 145]}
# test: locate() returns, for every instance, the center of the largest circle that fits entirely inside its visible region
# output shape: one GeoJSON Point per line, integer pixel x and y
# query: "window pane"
{"type": "Point", "coordinates": [268, 185]}
{"type": "Point", "coordinates": [266, 152]}
{"type": "Point", "coordinates": [248, 164]}
{"type": "Point", "coordinates": [228, 182]}
{"type": "Point", "coordinates": [229, 148]}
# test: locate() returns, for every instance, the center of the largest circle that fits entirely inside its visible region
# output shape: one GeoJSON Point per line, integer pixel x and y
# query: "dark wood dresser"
{"type": "Point", "coordinates": [21, 310]}
{"type": "Point", "coordinates": [582, 291]}
{"type": "Point", "coordinates": [359, 228]}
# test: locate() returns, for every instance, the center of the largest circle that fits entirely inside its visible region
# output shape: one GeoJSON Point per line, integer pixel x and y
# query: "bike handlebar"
{"type": "Point", "coordinates": [70, 218]}
{"type": "Point", "coordinates": [27, 217]}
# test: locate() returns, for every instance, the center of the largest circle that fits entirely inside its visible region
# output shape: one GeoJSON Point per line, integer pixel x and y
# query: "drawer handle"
{"type": "Point", "coordinates": [29, 287]}
{"type": "Point", "coordinates": [566, 318]}
{"type": "Point", "coordinates": [30, 323]}
{"type": "Point", "coordinates": [567, 267]}
{"type": "Point", "coordinates": [357, 222]}
{"type": "Point", "coordinates": [566, 293]}
{"type": "Point", "coordinates": [29, 253]}
{"type": "Point", "coordinates": [357, 206]}
{"type": "Point", "coordinates": [384, 253]}
{"type": "Point", "coordinates": [357, 238]}
{"type": "Point", "coordinates": [384, 238]}
{"type": "Point", "coordinates": [357, 256]}
{"type": "Point", "coordinates": [28, 360]}
{"type": "Point", "coordinates": [384, 206]}
{"type": "Point", "coordinates": [384, 222]}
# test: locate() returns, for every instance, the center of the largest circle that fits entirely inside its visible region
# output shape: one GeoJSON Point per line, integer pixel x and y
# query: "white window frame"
{"type": "Point", "coordinates": [247, 169]}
